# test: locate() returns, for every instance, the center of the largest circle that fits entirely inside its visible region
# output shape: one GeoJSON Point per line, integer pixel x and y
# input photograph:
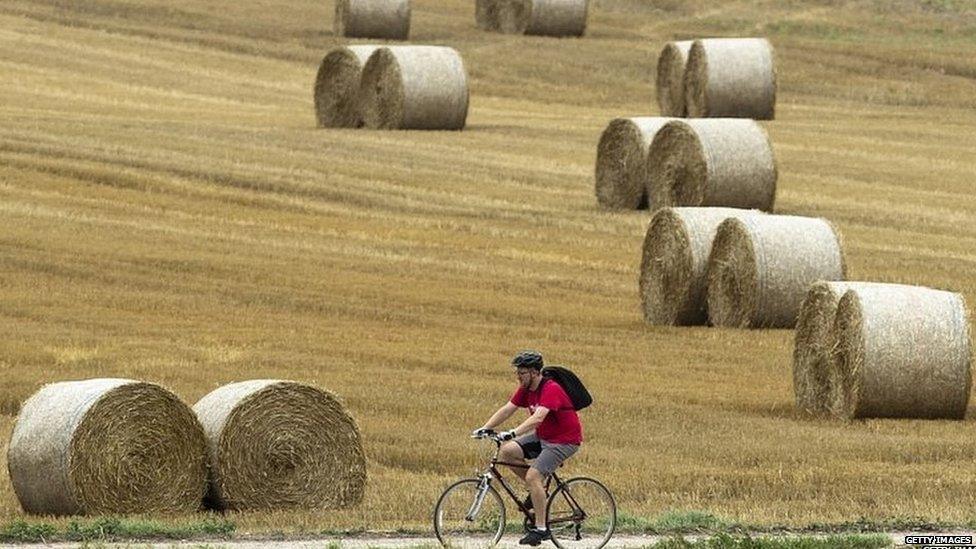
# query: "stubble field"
{"type": "Point", "coordinates": [170, 213]}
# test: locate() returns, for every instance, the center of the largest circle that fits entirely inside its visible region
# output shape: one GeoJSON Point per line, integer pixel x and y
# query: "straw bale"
{"type": "Point", "coordinates": [107, 446]}
{"type": "Point", "coordinates": [415, 87]}
{"type": "Point", "coordinates": [731, 77]}
{"type": "Point", "coordinates": [620, 162]}
{"type": "Point", "coordinates": [674, 263]}
{"type": "Point", "coordinates": [543, 17]}
{"type": "Point", "coordinates": [281, 445]}
{"type": "Point", "coordinates": [813, 343]}
{"type": "Point", "coordinates": [711, 162]}
{"type": "Point", "coordinates": [761, 266]}
{"type": "Point", "coordinates": [670, 78]}
{"type": "Point", "coordinates": [901, 351]}
{"type": "Point", "coordinates": [511, 16]}
{"type": "Point", "coordinates": [486, 14]}
{"type": "Point", "coordinates": [386, 19]}
{"type": "Point", "coordinates": [337, 87]}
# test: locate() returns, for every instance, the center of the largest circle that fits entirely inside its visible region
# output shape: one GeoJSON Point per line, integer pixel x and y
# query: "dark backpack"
{"type": "Point", "coordinates": [571, 384]}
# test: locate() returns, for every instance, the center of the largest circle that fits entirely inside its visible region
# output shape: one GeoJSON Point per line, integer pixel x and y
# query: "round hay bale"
{"type": "Point", "coordinates": [415, 88]}
{"type": "Point", "coordinates": [337, 87]}
{"type": "Point", "coordinates": [731, 77]}
{"type": "Point", "coordinates": [813, 343]}
{"type": "Point", "coordinates": [511, 16]}
{"type": "Point", "coordinates": [386, 19]}
{"type": "Point", "coordinates": [107, 446]}
{"type": "Point", "coordinates": [620, 162]}
{"type": "Point", "coordinates": [675, 260]}
{"type": "Point", "coordinates": [543, 17]}
{"type": "Point", "coordinates": [901, 351]}
{"type": "Point", "coordinates": [485, 14]}
{"type": "Point", "coordinates": [761, 266]}
{"type": "Point", "coordinates": [281, 445]}
{"type": "Point", "coordinates": [670, 78]}
{"type": "Point", "coordinates": [711, 162]}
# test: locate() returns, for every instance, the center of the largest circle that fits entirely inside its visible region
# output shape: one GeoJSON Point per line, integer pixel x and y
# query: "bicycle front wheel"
{"type": "Point", "coordinates": [581, 514]}
{"type": "Point", "coordinates": [467, 518]}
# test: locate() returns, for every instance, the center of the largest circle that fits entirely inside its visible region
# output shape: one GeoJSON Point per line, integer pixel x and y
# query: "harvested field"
{"type": "Point", "coordinates": [172, 213]}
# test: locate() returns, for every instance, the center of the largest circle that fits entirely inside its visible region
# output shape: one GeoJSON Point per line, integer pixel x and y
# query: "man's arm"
{"type": "Point", "coordinates": [532, 422]}
{"type": "Point", "coordinates": [501, 415]}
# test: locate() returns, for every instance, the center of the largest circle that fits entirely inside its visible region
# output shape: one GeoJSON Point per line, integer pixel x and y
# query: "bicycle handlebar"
{"type": "Point", "coordinates": [489, 433]}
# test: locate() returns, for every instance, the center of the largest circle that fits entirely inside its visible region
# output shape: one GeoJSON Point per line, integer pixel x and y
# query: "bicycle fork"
{"type": "Point", "coordinates": [479, 498]}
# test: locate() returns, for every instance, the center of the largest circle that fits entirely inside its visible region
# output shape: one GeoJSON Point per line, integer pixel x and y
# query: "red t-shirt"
{"type": "Point", "coordinates": [561, 425]}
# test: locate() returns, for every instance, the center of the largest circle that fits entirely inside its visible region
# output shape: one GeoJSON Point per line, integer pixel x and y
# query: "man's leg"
{"type": "Point", "coordinates": [534, 480]}
{"type": "Point", "coordinates": [511, 452]}
{"type": "Point", "coordinates": [550, 458]}
{"type": "Point", "coordinates": [518, 450]}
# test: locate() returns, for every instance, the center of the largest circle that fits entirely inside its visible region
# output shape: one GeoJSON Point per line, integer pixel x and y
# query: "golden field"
{"type": "Point", "coordinates": [171, 213]}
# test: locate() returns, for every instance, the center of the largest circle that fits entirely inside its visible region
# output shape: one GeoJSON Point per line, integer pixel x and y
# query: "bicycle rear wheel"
{"type": "Point", "coordinates": [581, 514]}
{"type": "Point", "coordinates": [461, 521]}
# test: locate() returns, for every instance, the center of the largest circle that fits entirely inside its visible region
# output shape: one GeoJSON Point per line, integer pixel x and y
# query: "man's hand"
{"type": "Point", "coordinates": [480, 432]}
{"type": "Point", "coordinates": [506, 435]}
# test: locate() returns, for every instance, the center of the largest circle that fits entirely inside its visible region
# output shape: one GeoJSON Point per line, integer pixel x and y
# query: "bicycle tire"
{"type": "Point", "coordinates": [470, 536]}
{"type": "Point", "coordinates": [564, 522]}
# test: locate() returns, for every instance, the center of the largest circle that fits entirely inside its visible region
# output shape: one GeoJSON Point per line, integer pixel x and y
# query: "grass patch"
{"type": "Point", "coordinates": [888, 524]}
{"type": "Point", "coordinates": [726, 541]}
{"type": "Point", "coordinates": [417, 546]}
{"type": "Point", "coordinates": [691, 521]}
{"type": "Point", "coordinates": [112, 528]}
{"type": "Point", "coordinates": [674, 522]}
{"type": "Point", "coordinates": [24, 531]}
{"type": "Point", "coordinates": [679, 522]}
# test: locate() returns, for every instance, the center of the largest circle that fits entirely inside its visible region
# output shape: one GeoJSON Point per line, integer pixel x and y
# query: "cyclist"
{"type": "Point", "coordinates": [550, 435]}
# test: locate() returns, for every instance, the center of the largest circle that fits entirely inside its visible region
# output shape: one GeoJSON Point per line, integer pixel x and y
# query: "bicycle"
{"type": "Point", "coordinates": [581, 512]}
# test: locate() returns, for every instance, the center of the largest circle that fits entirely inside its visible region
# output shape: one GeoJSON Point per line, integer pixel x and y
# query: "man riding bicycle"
{"type": "Point", "coordinates": [550, 435]}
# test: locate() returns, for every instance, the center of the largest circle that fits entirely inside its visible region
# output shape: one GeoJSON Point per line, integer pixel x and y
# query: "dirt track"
{"type": "Point", "coordinates": [376, 542]}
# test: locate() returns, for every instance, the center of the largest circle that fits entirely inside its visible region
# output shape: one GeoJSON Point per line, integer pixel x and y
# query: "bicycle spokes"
{"type": "Point", "coordinates": [582, 515]}
{"type": "Point", "coordinates": [469, 514]}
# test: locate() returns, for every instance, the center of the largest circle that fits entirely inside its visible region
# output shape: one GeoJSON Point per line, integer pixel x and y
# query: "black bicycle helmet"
{"type": "Point", "coordinates": [528, 359]}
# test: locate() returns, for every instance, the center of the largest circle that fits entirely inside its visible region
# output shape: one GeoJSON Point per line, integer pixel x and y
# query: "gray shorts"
{"type": "Point", "coordinates": [548, 456]}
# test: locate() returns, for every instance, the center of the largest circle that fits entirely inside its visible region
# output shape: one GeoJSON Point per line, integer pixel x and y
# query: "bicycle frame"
{"type": "Point", "coordinates": [492, 472]}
